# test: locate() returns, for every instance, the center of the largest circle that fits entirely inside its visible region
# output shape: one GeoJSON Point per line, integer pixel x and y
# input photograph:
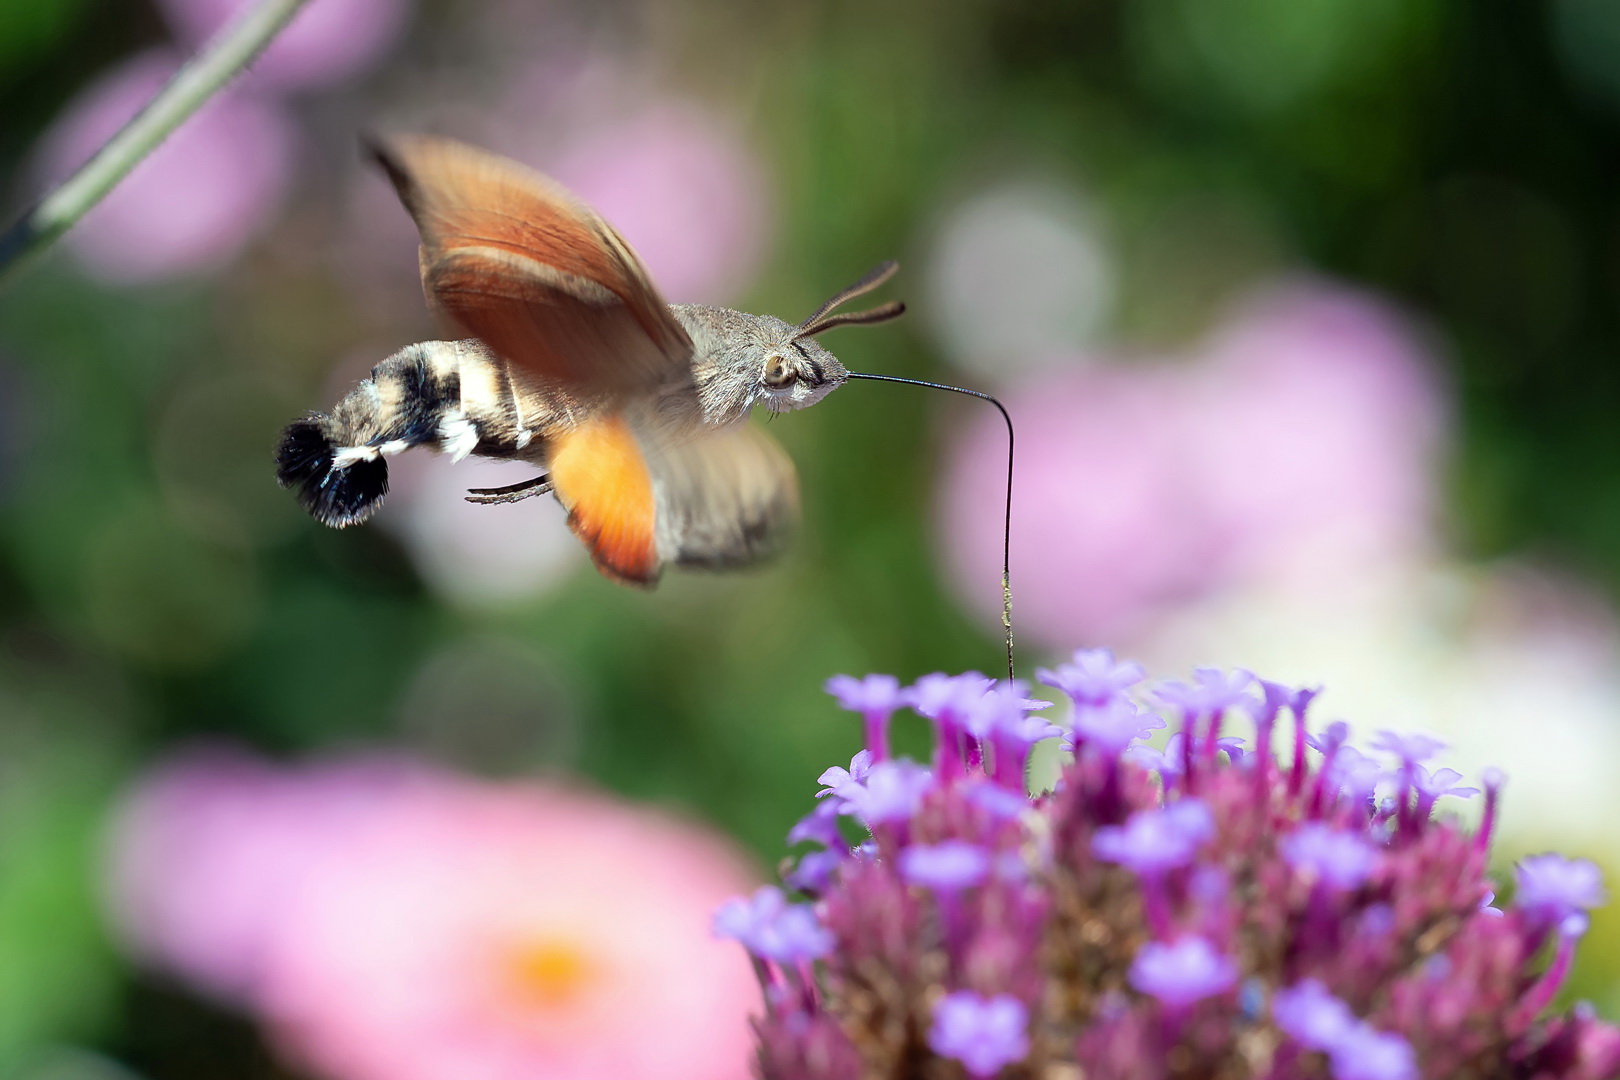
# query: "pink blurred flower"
{"type": "Point", "coordinates": [1319, 424]}
{"type": "Point", "coordinates": [211, 848]}
{"type": "Point", "coordinates": [1299, 444]}
{"type": "Point", "coordinates": [196, 200]}
{"type": "Point", "coordinates": [328, 42]}
{"type": "Point", "coordinates": [389, 921]}
{"type": "Point", "coordinates": [1106, 522]}
{"type": "Point", "coordinates": [684, 191]}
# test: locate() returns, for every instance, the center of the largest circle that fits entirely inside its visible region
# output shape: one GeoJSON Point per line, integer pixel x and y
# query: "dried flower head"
{"type": "Point", "coordinates": [1201, 910]}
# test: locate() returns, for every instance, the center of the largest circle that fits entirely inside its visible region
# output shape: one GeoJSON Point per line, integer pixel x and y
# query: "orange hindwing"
{"type": "Point", "coordinates": [602, 478]}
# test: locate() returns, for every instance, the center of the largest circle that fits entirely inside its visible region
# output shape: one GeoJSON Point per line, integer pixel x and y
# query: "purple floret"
{"type": "Point", "coordinates": [984, 1034]}
{"type": "Point", "coordinates": [1303, 697]}
{"type": "Point", "coordinates": [772, 929]}
{"type": "Point", "coordinates": [1027, 730]}
{"type": "Point", "coordinates": [1181, 973]}
{"type": "Point", "coordinates": [1338, 858]}
{"type": "Point", "coordinates": [1552, 887]}
{"type": "Point", "coordinates": [1440, 783]}
{"type": "Point", "coordinates": [1092, 676]}
{"type": "Point", "coordinates": [1152, 759]}
{"type": "Point", "coordinates": [1354, 774]}
{"type": "Point", "coordinates": [1413, 749]}
{"type": "Point", "coordinates": [893, 791]}
{"type": "Point", "coordinates": [1243, 916]}
{"type": "Point", "coordinates": [1212, 690]}
{"type": "Point", "coordinates": [998, 801]}
{"type": "Point", "coordinates": [1004, 704]}
{"type": "Point", "coordinates": [1328, 741]}
{"type": "Point", "coordinates": [1154, 841]}
{"type": "Point", "coordinates": [1113, 726]}
{"type": "Point", "coordinates": [871, 694]}
{"type": "Point", "coordinates": [1166, 762]}
{"type": "Point", "coordinates": [1274, 697]}
{"type": "Point", "coordinates": [1364, 1053]}
{"type": "Point", "coordinates": [814, 872]}
{"type": "Point", "coordinates": [1311, 1016]}
{"type": "Point", "coordinates": [937, 694]}
{"type": "Point", "coordinates": [837, 778]}
{"type": "Point", "coordinates": [875, 697]}
{"type": "Point", "coordinates": [948, 867]}
{"type": "Point", "coordinates": [819, 826]}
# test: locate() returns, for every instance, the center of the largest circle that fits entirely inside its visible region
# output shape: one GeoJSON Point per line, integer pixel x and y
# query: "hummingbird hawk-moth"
{"type": "Point", "coordinates": [635, 409]}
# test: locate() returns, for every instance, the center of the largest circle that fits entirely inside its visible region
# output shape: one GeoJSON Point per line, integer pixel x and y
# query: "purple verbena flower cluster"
{"type": "Point", "coordinates": [1201, 910]}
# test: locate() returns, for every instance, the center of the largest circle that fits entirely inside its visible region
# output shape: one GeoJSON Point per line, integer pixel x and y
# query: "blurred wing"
{"type": "Point", "coordinates": [523, 265]}
{"type": "Point", "coordinates": [727, 499]}
{"type": "Point", "coordinates": [722, 499]}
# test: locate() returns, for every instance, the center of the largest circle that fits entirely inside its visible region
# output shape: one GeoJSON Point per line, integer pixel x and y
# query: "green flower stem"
{"type": "Point", "coordinates": [231, 50]}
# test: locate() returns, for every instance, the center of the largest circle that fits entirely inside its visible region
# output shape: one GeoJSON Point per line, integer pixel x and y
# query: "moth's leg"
{"type": "Point", "coordinates": [525, 489]}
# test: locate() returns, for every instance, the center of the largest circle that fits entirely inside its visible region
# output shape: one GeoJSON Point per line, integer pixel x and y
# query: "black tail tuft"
{"type": "Point", "coordinates": [335, 496]}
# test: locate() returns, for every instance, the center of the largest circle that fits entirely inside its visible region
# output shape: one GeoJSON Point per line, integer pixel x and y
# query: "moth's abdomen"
{"type": "Point", "coordinates": [336, 493]}
{"type": "Point", "coordinates": [336, 462]}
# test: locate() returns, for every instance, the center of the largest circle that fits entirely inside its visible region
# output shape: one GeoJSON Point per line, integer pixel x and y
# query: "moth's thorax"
{"type": "Point", "coordinates": [741, 360]}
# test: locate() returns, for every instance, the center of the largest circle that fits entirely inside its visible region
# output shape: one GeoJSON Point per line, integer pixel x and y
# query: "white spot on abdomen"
{"type": "Point", "coordinates": [458, 436]}
{"type": "Point", "coordinates": [345, 456]}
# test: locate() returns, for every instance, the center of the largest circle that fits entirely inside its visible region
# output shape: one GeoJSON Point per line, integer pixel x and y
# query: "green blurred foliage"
{"type": "Point", "coordinates": [31, 27]}
{"type": "Point", "coordinates": [156, 586]}
{"type": "Point", "coordinates": [58, 757]}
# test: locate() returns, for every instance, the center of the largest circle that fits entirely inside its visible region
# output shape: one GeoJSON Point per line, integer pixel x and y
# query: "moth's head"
{"type": "Point", "coordinates": [796, 372]}
{"type": "Point", "coordinates": [795, 369]}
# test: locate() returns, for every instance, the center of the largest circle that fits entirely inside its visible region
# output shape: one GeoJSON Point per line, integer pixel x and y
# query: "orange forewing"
{"type": "Point", "coordinates": [602, 478]}
{"type": "Point", "coordinates": [520, 263]}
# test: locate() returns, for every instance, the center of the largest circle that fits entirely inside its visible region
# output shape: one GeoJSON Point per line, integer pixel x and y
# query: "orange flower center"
{"type": "Point", "coordinates": [549, 972]}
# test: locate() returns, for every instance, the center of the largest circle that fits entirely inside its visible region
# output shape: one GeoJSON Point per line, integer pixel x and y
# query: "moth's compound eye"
{"type": "Point", "coordinates": [777, 372]}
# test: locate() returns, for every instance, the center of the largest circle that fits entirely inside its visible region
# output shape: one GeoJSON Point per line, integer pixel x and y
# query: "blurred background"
{"type": "Point", "coordinates": [1307, 311]}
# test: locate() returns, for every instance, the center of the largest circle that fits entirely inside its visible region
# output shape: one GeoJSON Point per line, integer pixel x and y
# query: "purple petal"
{"type": "Point", "coordinates": [1338, 857]}
{"type": "Point", "coordinates": [1411, 749]}
{"type": "Point", "coordinates": [872, 694]}
{"type": "Point", "coordinates": [1092, 677]}
{"type": "Point", "coordinates": [1552, 886]}
{"type": "Point", "coordinates": [1154, 841]}
{"type": "Point", "coordinates": [1311, 1016]}
{"type": "Point", "coordinates": [948, 867]}
{"type": "Point", "coordinates": [984, 1034]}
{"type": "Point", "coordinates": [893, 791]}
{"type": "Point", "coordinates": [1179, 974]}
{"type": "Point", "coordinates": [1365, 1053]}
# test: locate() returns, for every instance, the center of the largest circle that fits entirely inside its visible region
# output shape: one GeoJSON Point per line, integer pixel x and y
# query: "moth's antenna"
{"type": "Point", "coordinates": [1006, 534]}
{"type": "Point", "coordinates": [882, 313]}
{"type": "Point", "coordinates": [818, 322]}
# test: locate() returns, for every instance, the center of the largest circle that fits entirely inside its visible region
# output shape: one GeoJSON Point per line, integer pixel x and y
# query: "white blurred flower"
{"type": "Point", "coordinates": [1513, 668]}
{"type": "Point", "coordinates": [1018, 275]}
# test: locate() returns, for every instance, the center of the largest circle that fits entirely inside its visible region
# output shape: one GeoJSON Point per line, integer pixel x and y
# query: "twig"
{"type": "Point", "coordinates": [231, 50]}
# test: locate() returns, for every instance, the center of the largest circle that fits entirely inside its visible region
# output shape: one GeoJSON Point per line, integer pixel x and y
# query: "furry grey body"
{"type": "Point", "coordinates": [461, 398]}
{"type": "Point", "coordinates": [453, 383]}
